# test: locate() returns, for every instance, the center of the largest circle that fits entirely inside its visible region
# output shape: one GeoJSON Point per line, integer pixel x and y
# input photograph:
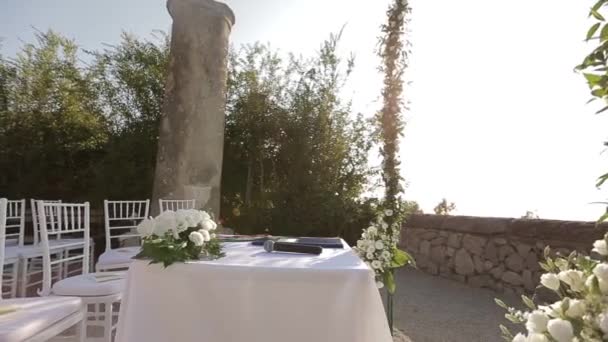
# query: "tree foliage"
{"type": "Point", "coordinates": [444, 207]}
{"type": "Point", "coordinates": [595, 66]}
{"type": "Point", "coordinates": [295, 154]}
{"type": "Point", "coordinates": [295, 158]}
{"type": "Point", "coordinates": [52, 130]}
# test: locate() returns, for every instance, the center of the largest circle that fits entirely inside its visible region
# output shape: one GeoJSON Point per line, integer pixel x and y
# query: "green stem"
{"type": "Point", "coordinates": [389, 310]}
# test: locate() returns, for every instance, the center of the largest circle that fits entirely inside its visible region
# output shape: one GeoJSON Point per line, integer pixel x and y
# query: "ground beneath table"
{"type": "Point", "coordinates": [435, 309]}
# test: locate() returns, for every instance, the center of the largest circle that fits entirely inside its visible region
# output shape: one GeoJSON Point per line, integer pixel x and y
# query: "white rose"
{"type": "Point", "coordinates": [386, 255]}
{"type": "Point", "coordinates": [575, 279]}
{"type": "Point", "coordinates": [208, 225]}
{"type": "Point", "coordinates": [550, 281]}
{"type": "Point", "coordinates": [560, 330]}
{"type": "Point", "coordinates": [537, 322]}
{"type": "Point", "coordinates": [601, 271]}
{"type": "Point", "coordinates": [519, 338]}
{"type": "Point", "coordinates": [600, 247]}
{"type": "Point", "coordinates": [537, 338]}
{"type": "Point", "coordinates": [388, 212]}
{"type": "Point", "coordinates": [146, 227]}
{"type": "Point", "coordinates": [379, 284]}
{"type": "Point", "coordinates": [205, 234]}
{"type": "Point", "coordinates": [197, 238]}
{"type": "Point", "coordinates": [371, 249]}
{"type": "Point", "coordinates": [379, 245]}
{"type": "Point", "coordinates": [165, 222]}
{"type": "Point", "coordinates": [602, 321]}
{"type": "Point", "coordinates": [376, 264]}
{"type": "Point", "coordinates": [576, 308]}
{"type": "Point", "coordinates": [384, 225]}
{"type": "Point", "coordinates": [360, 244]}
{"type": "Point", "coordinates": [370, 256]}
{"type": "Point", "coordinates": [371, 230]}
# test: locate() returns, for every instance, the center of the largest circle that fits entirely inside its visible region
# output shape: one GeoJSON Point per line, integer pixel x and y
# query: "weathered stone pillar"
{"type": "Point", "coordinates": [191, 141]}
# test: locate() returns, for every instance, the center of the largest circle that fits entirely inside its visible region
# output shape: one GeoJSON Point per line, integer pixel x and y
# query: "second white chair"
{"type": "Point", "coordinates": [121, 220]}
{"type": "Point", "coordinates": [95, 289]}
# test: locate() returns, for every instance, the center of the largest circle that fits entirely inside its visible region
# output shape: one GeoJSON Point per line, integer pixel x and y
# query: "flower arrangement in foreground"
{"type": "Point", "coordinates": [378, 248]}
{"type": "Point", "coordinates": [178, 236]}
{"type": "Point", "coordinates": [581, 314]}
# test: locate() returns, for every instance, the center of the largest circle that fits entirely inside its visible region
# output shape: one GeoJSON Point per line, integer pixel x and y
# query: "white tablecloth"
{"type": "Point", "coordinates": [254, 296]}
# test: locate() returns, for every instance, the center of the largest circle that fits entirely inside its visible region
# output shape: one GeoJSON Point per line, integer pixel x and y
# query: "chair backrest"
{"type": "Point", "coordinates": [15, 222]}
{"type": "Point", "coordinates": [35, 217]}
{"type": "Point", "coordinates": [63, 219]}
{"type": "Point", "coordinates": [122, 218]}
{"type": "Point", "coordinates": [175, 205]}
{"type": "Point", "coordinates": [3, 205]}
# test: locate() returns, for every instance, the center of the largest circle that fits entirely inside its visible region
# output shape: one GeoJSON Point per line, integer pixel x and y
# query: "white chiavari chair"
{"type": "Point", "coordinates": [36, 319]}
{"type": "Point", "coordinates": [96, 290]}
{"type": "Point", "coordinates": [175, 205]}
{"type": "Point", "coordinates": [30, 273]}
{"type": "Point", "coordinates": [121, 219]}
{"type": "Point", "coordinates": [14, 232]}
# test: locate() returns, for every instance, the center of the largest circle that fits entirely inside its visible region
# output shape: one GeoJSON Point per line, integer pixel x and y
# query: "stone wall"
{"type": "Point", "coordinates": [497, 253]}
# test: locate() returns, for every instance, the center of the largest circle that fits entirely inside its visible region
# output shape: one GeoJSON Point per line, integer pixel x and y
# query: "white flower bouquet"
{"type": "Point", "coordinates": [178, 236]}
{"type": "Point", "coordinates": [378, 248]}
{"type": "Point", "coordinates": [581, 314]}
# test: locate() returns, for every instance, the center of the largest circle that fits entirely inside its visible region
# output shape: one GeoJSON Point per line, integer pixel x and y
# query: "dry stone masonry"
{"type": "Point", "coordinates": [496, 253]}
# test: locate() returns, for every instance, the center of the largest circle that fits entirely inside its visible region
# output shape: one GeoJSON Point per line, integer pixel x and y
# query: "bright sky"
{"type": "Point", "coordinates": [498, 121]}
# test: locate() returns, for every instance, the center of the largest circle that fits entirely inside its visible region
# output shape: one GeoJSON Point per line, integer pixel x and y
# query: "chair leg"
{"type": "Point", "coordinates": [107, 322]}
{"type": "Point", "coordinates": [81, 327]}
{"type": "Point", "coordinates": [14, 280]}
{"type": "Point", "coordinates": [23, 277]}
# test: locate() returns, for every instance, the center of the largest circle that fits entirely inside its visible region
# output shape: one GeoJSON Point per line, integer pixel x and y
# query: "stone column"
{"type": "Point", "coordinates": [191, 141]}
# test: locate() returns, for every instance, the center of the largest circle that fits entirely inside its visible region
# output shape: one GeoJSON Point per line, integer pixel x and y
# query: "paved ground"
{"type": "Point", "coordinates": [435, 309]}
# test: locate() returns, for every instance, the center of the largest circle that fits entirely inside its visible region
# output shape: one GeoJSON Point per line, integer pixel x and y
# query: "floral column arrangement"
{"type": "Point", "coordinates": [378, 244]}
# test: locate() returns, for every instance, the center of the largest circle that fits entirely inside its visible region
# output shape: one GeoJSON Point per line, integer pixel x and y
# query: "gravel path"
{"type": "Point", "coordinates": [435, 309]}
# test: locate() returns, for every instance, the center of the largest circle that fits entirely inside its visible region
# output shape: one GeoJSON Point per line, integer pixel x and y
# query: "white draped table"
{"type": "Point", "coordinates": [254, 296]}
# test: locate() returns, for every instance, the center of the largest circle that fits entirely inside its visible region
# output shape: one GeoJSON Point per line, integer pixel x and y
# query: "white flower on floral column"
{"type": "Point", "coordinates": [575, 279]}
{"type": "Point", "coordinates": [602, 322]}
{"type": "Point", "coordinates": [370, 256]}
{"type": "Point", "coordinates": [197, 238]}
{"type": "Point", "coordinates": [376, 264]}
{"type": "Point", "coordinates": [550, 281]}
{"type": "Point", "coordinates": [371, 249]}
{"type": "Point", "coordinates": [379, 245]}
{"type": "Point", "coordinates": [379, 284]}
{"type": "Point", "coordinates": [601, 271]}
{"type": "Point", "coordinates": [388, 212]}
{"type": "Point", "coordinates": [519, 338]}
{"type": "Point", "coordinates": [537, 322]}
{"type": "Point", "coordinates": [561, 330]}
{"type": "Point", "coordinates": [537, 338]}
{"type": "Point", "coordinates": [600, 247]}
{"type": "Point", "coordinates": [146, 227]}
{"type": "Point", "coordinates": [576, 308]}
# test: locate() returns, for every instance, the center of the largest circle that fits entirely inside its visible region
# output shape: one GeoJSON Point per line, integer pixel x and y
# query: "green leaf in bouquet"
{"type": "Point", "coordinates": [529, 303]}
{"type": "Point", "coordinates": [401, 258]}
{"type": "Point", "coordinates": [506, 334]}
{"type": "Point", "coordinates": [501, 303]}
{"type": "Point", "coordinates": [389, 281]}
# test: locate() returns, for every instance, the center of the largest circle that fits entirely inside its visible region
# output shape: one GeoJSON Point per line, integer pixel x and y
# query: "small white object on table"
{"type": "Point", "coordinates": [251, 295]}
